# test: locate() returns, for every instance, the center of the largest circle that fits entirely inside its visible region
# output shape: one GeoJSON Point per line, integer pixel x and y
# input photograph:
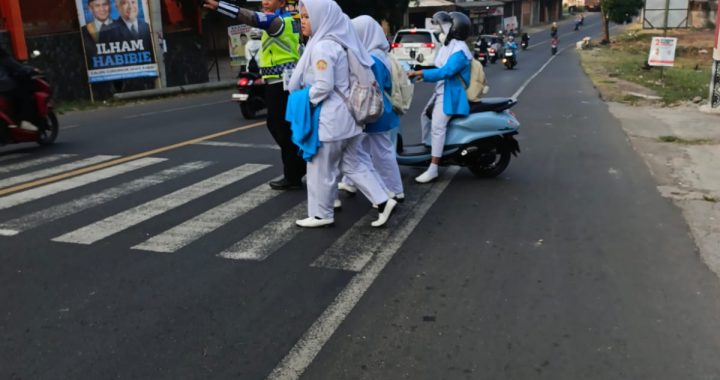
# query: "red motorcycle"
{"type": "Point", "coordinates": [43, 117]}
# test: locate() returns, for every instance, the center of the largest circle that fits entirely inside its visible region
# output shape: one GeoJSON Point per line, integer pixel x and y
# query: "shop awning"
{"type": "Point", "coordinates": [480, 4]}
{"type": "Point", "coordinates": [430, 3]}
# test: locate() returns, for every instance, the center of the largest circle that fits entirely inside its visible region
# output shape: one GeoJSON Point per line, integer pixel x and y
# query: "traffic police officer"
{"type": "Point", "coordinates": [280, 53]}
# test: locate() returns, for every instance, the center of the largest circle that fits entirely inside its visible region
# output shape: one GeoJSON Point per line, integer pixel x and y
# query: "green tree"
{"type": "Point", "coordinates": [618, 11]}
{"type": "Point", "coordinates": [392, 11]}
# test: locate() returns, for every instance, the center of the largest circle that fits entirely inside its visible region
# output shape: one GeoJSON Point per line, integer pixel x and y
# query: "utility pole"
{"type": "Point", "coordinates": [157, 28]}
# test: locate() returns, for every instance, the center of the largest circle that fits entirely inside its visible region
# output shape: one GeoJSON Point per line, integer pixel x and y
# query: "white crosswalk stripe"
{"type": "Point", "coordinates": [186, 233]}
{"type": "Point", "coordinates": [12, 156]}
{"type": "Point", "coordinates": [54, 170]}
{"type": "Point", "coordinates": [24, 223]}
{"type": "Point", "coordinates": [74, 182]}
{"type": "Point", "coordinates": [31, 163]}
{"type": "Point", "coordinates": [260, 244]}
{"type": "Point", "coordinates": [124, 220]}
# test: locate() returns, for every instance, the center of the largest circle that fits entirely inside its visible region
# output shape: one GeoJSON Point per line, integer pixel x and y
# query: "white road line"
{"type": "Point", "coordinates": [27, 164]}
{"type": "Point", "coordinates": [175, 109]}
{"type": "Point", "coordinates": [238, 145]}
{"type": "Point", "coordinates": [305, 350]}
{"type": "Point", "coordinates": [74, 182]}
{"type": "Point", "coordinates": [54, 170]}
{"type": "Point", "coordinates": [260, 244]}
{"type": "Point", "coordinates": [201, 225]}
{"type": "Point", "coordinates": [353, 250]}
{"type": "Point", "coordinates": [126, 219]}
{"type": "Point", "coordinates": [36, 219]}
{"type": "Point", "coordinates": [12, 156]}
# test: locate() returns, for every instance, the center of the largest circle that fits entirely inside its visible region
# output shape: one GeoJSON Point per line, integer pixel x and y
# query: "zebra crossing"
{"type": "Point", "coordinates": [352, 250]}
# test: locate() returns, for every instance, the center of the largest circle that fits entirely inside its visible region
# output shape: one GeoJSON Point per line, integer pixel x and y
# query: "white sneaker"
{"type": "Point", "coordinates": [385, 214]}
{"type": "Point", "coordinates": [427, 176]}
{"type": "Point", "coordinates": [337, 204]}
{"type": "Point", "coordinates": [314, 222]}
{"type": "Point", "coordinates": [347, 187]}
{"type": "Point", "coordinates": [400, 197]}
{"type": "Point", "coordinates": [28, 126]}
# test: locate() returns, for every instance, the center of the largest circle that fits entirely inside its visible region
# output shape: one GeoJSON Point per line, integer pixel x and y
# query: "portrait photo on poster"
{"type": "Point", "coordinates": [117, 39]}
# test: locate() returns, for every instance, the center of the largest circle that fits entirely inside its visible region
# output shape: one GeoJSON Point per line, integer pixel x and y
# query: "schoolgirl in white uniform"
{"type": "Point", "coordinates": [324, 68]}
{"type": "Point", "coordinates": [378, 141]}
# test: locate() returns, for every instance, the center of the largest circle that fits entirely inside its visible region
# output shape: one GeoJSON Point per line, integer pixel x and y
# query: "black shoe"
{"type": "Point", "coordinates": [284, 184]}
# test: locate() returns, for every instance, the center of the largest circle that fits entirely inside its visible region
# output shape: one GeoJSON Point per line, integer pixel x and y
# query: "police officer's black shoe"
{"type": "Point", "coordinates": [284, 184]}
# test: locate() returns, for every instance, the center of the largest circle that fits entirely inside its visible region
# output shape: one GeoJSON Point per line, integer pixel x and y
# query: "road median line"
{"type": "Point", "coordinates": [121, 160]}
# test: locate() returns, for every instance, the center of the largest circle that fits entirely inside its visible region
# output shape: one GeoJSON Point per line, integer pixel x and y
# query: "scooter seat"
{"type": "Point", "coordinates": [492, 105]}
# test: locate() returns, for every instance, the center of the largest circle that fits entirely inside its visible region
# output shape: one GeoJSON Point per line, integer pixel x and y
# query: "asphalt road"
{"type": "Point", "coordinates": [180, 263]}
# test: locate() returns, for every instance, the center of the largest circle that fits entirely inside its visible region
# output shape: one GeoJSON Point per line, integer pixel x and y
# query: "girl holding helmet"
{"type": "Point", "coordinates": [449, 98]}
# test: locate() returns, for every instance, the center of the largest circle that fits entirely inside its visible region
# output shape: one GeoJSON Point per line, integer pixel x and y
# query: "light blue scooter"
{"type": "Point", "coordinates": [482, 141]}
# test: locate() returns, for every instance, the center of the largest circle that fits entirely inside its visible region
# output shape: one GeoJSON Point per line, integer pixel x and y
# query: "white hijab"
{"type": "Point", "coordinates": [328, 22]}
{"type": "Point", "coordinates": [373, 38]}
{"type": "Point", "coordinates": [453, 47]}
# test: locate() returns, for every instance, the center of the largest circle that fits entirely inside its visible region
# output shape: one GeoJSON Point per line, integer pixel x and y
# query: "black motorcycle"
{"type": "Point", "coordinates": [250, 94]}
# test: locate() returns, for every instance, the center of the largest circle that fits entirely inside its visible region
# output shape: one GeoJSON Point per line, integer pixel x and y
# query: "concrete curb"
{"type": "Point", "coordinates": [175, 90]}
{"type": "Point", "coordinates": [706, 109]}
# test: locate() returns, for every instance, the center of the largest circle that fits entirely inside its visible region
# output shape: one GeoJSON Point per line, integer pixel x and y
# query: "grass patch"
{"type": "Point", "coordinates": [680, 140]}
{"type": "Point", "coordinates": [625, 59]}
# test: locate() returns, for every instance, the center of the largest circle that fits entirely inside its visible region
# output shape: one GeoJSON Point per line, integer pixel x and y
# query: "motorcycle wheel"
{"type": "Point", "coordinates": [49, 134]}
{"type": "Point", "coordinates": [493, 161]}
{"type": "Point", "coordinates": [490, 164]}
{"type": "Point", "coordinates": [247, 110]}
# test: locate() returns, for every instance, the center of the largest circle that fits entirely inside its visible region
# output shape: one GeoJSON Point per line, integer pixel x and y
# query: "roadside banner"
{"type": "Point", "coordinates": [510, 23]}
{"type": "Point", "coordinates": [117, 39]}
{"type": "Point", "coordinates": [238, 36]}
{"type": "Point", "coordinates": [662, 51]}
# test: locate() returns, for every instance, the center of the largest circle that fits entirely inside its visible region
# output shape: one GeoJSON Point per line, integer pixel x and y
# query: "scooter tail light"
{"type": "Point", "coordinates": [259, 81]}
{"type": "Point", "coordinates": [243, 82]}
{"type": "Point", "coordinates": [491, 50]}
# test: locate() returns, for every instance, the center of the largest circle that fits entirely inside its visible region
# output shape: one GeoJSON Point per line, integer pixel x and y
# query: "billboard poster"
{"type": "Point", "coordinates": [238, 37]}
{"type": "Point", "coordinates": [117, 39]}
{"type": "Point", "coordinates": [662, 51]}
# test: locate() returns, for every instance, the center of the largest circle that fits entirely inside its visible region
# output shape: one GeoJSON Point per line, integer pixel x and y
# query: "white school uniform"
{"type": "Point", "coordinates": [341, 150]}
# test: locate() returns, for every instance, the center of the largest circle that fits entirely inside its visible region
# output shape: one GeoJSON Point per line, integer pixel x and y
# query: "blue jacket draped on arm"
{"type": "Point", "coordinates": [304, 123]}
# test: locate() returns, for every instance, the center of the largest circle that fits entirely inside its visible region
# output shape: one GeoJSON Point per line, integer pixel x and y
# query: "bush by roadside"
{"type": "Point", "coordinates": [620, 71]}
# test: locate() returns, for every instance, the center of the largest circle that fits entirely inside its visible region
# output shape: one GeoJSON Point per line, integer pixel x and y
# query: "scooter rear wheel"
{"type": "Point", "coordinates": [490, 164]}
{"type": "Point", "coordinates": [49, 134]}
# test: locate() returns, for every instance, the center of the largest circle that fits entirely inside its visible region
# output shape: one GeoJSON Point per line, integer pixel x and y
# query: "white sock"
{"type": "Point", "coordinates": [433, 168]}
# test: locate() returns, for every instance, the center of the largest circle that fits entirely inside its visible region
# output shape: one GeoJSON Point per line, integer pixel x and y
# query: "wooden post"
{"type": "Point", "coordinates": [11, 10]}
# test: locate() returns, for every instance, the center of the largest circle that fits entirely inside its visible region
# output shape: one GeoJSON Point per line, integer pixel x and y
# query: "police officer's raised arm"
{"type": "Point", "coordinates": [270, 22]}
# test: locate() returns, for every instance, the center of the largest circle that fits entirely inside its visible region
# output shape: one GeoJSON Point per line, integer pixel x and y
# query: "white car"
{"type": "Point", "coordinates": [416, 46]}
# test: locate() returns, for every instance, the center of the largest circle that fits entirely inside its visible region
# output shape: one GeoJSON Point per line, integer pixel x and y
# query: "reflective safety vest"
{"type": "Point", "coordinates": [282, 52]}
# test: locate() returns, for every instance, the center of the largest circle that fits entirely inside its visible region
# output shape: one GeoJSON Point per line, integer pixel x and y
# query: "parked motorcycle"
{"type": "Point", "coordinates": [482, 141]}
{"type": "Point", "coordinates": [250, 94]}
{"type": "Point", "coordinates": [44, 126]}
{"type": "Point", "coordinates": [251, 86]}
{"type": "Point", "coordinates": [509, 59]}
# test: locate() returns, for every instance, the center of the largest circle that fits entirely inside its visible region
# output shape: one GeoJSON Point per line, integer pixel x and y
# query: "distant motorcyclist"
{"type": "Point", "coordinates": [553, 29]}
{"type": "Point", "coordinates": [511, 44]}
{"type": "Point", "coordinates": [525, 39]}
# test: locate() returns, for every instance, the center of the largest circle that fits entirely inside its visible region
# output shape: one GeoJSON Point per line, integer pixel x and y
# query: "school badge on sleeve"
{"type": "Point", "coordinates": [321, 65]}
